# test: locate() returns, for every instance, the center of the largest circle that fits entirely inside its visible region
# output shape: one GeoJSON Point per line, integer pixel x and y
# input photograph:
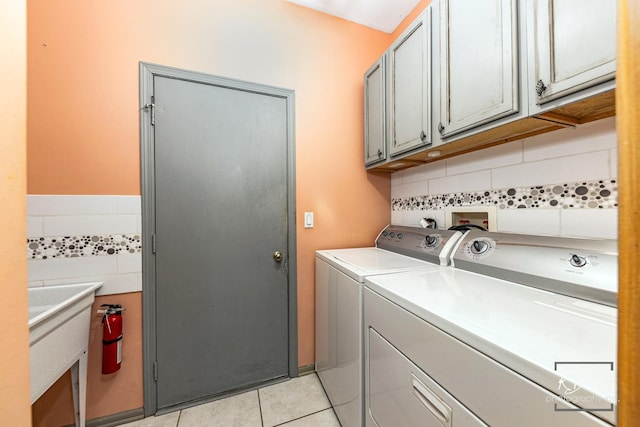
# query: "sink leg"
{"type": "Point", "coordinates": [79, 381]}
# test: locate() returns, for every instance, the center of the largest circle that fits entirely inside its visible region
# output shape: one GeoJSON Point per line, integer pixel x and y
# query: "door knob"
{"type": "Point", "coordinates": [277, 256]}
{"type": "Point", "coordinates": [540, 87]}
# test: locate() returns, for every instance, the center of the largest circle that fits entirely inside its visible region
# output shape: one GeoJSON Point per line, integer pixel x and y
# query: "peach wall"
{"type": "Point", "coordinates": [83, 106]}
{"type": "Point", "coordinates": [14, 330]}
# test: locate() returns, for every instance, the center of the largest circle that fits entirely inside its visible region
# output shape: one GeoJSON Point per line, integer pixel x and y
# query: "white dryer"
{"type": "Point", "coordinates": [340, 276]}
{"type": "Point", "coordinates": [522, 331]}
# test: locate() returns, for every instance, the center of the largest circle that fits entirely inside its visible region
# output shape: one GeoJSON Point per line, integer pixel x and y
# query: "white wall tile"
{"type": "Point", "coordinates": [112, 284]}
{"type": "Point", "coordinates": [121, 284]}
{"type": "Point", "coordinates": [412, 218]}
{"type": "Point", "coordinates": [396, 217]}
{"type": "Point", "coordinates": [409, 190]}
{"type": "Point", "coordinates": [129, 263]}
{"type": "Point", "coordinates": [74, 225]}
{"type": "Point", "coordinates": [34, 226]}
{"type": "Point", "coordinates": [529, 221]}
{"type": "Point", "coordinates": [595, 136]}
{"type": "Point", "coordinates": [62, 215]}
{"type": "Point", "coordinates": [583, 167]}
{"type": "Point", "coordinates": [475, 181]}
{"type": "Point", "coordinates": [69, 268]}
{"type": "Point", "coordinates": [613, 159]}
{"type": "Point", "coordinates": [129, 205]}
{"type": "Point", "coordinates": [585, 153]}
{"type": "Point", "coordinates": [424, 172]}
{"type": "Point", "coordinates": [501, 155]}
{"type": "Point", "coordinates": [396, 190]}
{"type": "Point", "coordinates": [70, 205]}
{"type": "Point", "coordinates": [594, 223]}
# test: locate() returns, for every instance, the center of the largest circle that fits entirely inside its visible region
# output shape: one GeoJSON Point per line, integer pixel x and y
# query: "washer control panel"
{"type": "Point", "coordinates": [559, 264]}
{"type": "Point", "coordinates": [423, 243]}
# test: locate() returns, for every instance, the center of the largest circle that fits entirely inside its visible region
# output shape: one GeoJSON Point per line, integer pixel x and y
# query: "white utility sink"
{"type": "Point", "coordinates": [59, 318]}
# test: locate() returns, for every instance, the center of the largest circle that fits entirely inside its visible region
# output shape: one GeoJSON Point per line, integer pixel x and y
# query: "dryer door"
{"type": "Point", "coordinates": [401, 394]}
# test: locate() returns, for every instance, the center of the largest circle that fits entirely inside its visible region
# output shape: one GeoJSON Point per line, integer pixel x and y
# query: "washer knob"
{"type": "Point", "coordinates": [431, 241]}
{"type": "Point", "coordinates": [479, 247]}
{"type": "Point", "coordinates": [577, 261]}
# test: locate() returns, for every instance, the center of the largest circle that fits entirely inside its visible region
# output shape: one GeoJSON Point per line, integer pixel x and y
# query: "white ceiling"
{"type": "Point", "coordinates": [383, 15]}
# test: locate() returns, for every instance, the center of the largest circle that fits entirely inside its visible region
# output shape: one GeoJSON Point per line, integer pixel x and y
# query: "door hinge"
{"type": "Point", "coordinates": [151, 107]}
{"type": "Point", "coordinates": [155, 371]}
{"type": "Point", "coordinates": [154, 246]}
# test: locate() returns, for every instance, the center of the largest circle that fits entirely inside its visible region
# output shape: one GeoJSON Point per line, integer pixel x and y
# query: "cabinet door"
{"type": "Point", "coordinates": [410, 87]}
{"type": "Point", "coordinates": [575, 45]}
{"type": "Point", "coordinates": [375, 149]}
{"type": "Point", "coordinates": [479, 63]}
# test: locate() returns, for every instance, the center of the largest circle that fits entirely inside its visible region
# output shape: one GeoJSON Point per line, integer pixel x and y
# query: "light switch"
{"type": "Point", "coordinates": [308, 220]}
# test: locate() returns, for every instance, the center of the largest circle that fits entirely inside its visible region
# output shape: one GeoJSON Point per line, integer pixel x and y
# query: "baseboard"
{"type": "Point", "coordinates": [306, 370]}
{"type": "Point", "coordinates": [138, 414]}
{"type": "Point", "coordinates": [116, 419]}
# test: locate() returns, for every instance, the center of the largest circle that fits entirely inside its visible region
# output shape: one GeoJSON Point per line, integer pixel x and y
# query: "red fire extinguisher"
{"type": "Point", "coordinates": [111, 338]}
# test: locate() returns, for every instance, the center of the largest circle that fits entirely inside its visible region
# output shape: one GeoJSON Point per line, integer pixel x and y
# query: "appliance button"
{"type": "Point", "coordinates": [392, 234]}
{"type": "Point", "coordinates": [400, 236]}
{"type": "Point", "coordinates": [577, 261]}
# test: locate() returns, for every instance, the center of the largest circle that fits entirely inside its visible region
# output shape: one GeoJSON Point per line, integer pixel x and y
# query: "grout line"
{"type": "Point", "coordinates": [260, 408]}
{"type": "Point", "coordinates": [179, 416]}
{"type": "Point", "coordinates": [304, 416]}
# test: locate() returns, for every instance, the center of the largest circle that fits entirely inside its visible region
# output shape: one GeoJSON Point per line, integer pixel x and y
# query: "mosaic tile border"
{"type": "Point", "coordinates": [82, 246]}
{"type": "Point", "coordinates": [600, 194]}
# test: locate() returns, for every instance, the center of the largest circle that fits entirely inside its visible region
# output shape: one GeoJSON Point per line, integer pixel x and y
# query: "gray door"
{"type": "Point", "coordinates": [221, 213]}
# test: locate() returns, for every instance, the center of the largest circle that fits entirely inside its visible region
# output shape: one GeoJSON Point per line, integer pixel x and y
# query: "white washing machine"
{"type": "Point", "coordinates": [521, 331]}
{"type": "Point", "coordinates": [340, 275]}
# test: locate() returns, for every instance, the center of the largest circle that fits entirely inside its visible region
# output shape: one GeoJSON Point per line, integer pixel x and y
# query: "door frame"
{"type": "Point", "coordinates": [147, 175]}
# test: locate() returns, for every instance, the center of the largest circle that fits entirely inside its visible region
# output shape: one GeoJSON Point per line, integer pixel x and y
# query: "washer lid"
{"type": "Point", "coordinates": [359, 263]}
{"type": "Point", "coordinates": [544, 336]}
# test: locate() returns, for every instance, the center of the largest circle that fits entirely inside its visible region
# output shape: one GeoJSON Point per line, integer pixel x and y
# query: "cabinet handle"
{"type": "Point", "coordinates": [379, 153]}
{"type": "Point", "coordinates": [440, 128]}
{"type": "Point", "coordinates": [423, 136]}
{"type": "Point", "coordinates": [540, 87]}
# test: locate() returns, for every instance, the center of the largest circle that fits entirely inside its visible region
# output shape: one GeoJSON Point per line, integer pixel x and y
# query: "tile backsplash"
{"type": "Point", "coordinates": [561, 183]}
{"type": "Point", "coordinates": [85, 238]}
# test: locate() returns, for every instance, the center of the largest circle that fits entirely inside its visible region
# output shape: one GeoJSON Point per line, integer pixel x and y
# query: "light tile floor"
{"type": "Point", "coordinates": [299, 402]}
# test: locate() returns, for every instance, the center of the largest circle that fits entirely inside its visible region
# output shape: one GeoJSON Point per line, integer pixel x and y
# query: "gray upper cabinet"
{"type": "Point", "coordinates": [409, 83]}
{"type": "Point", "coordinates": [375, 148]}
{"type": "Point", "coordinates": [468, 74]}
{"type": "Point", "coordinates": [574, 46]}
{"type": "Point", "coordinates": [479, 63]}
